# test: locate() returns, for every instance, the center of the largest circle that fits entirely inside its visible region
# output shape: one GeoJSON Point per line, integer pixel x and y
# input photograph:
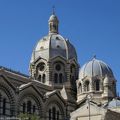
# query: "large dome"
{"type": "Point", "coordinates": [95, 68]}
{"type": "Point", "coordinates": [53, 45]}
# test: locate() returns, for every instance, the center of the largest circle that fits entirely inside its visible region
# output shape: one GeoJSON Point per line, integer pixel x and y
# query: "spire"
{"type": "Point", "coordinates": [94, 57]}
{"type": "Point", "coordinates": [53, 10]}
{"type": "Point", "coordinates": [53, 22]}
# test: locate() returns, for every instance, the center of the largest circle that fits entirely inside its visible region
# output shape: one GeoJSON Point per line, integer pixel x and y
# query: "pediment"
{"type": "Point", "coordinates": [29, 87]}
{"type": "Point", "coordinates": [39, 59]}
{"type": "Point", "coordinates": [54, 94]}
{"type": "Point", "coordinates": [58, 58]}
{"type": "Point", "coordinates": [85, 107]}
{"type": "Point", "coordinates": [74, 61]}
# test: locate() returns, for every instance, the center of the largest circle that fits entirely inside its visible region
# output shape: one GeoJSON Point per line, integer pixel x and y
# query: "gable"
{"type": "Point", "coordinates": [85, 109]}
{"type": "Point", "coordinates": [29, 88]}
{"type": "Point", "coordinates": [54, 96]}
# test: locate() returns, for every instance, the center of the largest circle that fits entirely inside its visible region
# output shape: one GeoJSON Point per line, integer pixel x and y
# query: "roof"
{"type": "Point", "coordinates": [13, 71]}
{"type": "Point", "coordinates": [114, 103]}
{"type": "Point", "coordinates": [53, 45]}
{"type": "Point", "coordinates": [94, 68]}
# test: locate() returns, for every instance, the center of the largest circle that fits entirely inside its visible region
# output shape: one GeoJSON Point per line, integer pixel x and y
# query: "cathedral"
{"type": "Point", "coordinates": [57, 87]}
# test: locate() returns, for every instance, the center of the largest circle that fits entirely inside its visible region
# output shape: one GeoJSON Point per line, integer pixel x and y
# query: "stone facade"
{"type": "Point", "coordinates": [21, 94]}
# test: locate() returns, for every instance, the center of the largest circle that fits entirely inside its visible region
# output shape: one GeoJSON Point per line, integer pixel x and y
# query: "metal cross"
{"type": "Point", "coordinates": [53, 10]}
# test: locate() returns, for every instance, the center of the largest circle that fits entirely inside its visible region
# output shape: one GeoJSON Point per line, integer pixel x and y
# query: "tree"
{"type": "Point", "coordinates": [25, 116]}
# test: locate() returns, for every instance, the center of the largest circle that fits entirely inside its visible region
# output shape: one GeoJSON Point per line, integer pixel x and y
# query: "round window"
{"type": "Point", "coordinates": [58, 67]}
{"type": "Point", "coordinates": [42, 66]}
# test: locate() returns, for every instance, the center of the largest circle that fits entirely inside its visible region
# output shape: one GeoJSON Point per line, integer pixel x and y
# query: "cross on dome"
{"type": "Point", "coordinates": [53, 10]}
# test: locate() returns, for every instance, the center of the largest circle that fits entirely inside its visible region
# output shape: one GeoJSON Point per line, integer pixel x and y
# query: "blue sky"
{"type": "Point", "coordinates": [93, 27]}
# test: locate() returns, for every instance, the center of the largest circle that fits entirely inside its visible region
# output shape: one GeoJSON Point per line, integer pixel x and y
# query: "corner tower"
{"type": "Point", "coordinates": [54, 59]}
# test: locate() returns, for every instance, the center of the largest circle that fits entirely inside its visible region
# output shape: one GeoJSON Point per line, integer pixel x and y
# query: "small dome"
{"type": "Point", "coordinates": [53, 17]}
{"type": "Point", "coordinates": [114, 103]}
{"type": "Point", "coordinates": [53, 45]}
{"type": "Point", "coordinates": [95, 68]}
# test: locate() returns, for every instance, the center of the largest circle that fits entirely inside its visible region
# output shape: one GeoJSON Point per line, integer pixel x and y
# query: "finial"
{"type": "Point", "coordinates": [94, 56]}
{"type": "Point", "coordinates": [53, 10]}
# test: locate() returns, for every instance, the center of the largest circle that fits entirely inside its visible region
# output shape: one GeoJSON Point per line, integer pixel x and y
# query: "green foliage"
{"type": "Point", "coordinates": [28, 116]}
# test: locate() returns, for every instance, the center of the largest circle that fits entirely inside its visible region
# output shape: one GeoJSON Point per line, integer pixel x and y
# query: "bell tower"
{"type": "Point", "coordinates": [53, 23]}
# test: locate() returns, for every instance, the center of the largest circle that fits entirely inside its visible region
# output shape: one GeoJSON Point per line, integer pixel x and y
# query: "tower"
{"type": "Point", "coordinates": [54, 62]}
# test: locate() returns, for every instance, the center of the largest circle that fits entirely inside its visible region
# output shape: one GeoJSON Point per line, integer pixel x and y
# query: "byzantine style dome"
{"type": "Point", "coordinates": [53, 44]}
{"type": "Point", "coordinates": [95, 68]}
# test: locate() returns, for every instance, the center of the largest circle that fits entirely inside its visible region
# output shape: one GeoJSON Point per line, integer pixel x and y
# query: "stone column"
{"type": "Point", "coordinates": [91, 85]}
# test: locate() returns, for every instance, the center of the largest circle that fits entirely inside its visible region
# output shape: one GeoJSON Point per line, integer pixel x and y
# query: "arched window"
{"type": "Point", "coordinates": [39, 78]}
{"type": "Point", "coordinates": [97, 85]}
{"type": "Point", "coordinates": [24, 107]}
{"type": "Point", "coordinates": [72, 69]}
{"type": "Point", "coordinates": [73, 81]}
{"type": "Point", "coordinates": [87, 86]}
{"type": "Point", "coordinates": [44, 78]}
{"type": "Point", "coordinates": [34, 109]}
{"type": "Point", "coordinates": [56, 78]}
{"type": "Point", "coordinates": [29, 107]}
{"type": "Point", "coordinates": [60, 78]}
{"type": "Point", "coordinates": [54, 27]}
{"type": "Point", "coordinates": [57, 115]}
{"type": "Point", "coordinates": [54, 113]}
{"type": "Point", "coordinates": [50, 114]}
{"type": "Point", "coordinates": [4, 106]}
{"type": "Point", "coordinates": [73, 75]}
